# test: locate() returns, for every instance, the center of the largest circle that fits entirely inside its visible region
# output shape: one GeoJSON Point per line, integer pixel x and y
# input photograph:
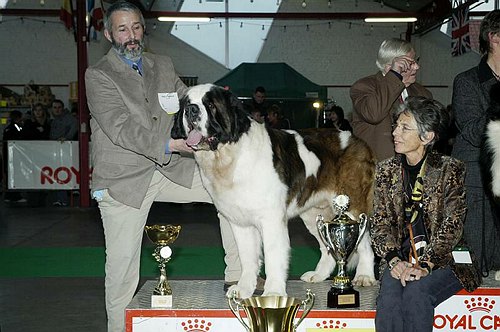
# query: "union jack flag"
{"type": "Point", "coordinates": [460, 38]}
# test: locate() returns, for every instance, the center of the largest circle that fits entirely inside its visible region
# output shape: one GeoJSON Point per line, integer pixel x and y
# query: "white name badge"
{"type": "Point", "coordinates": [461, 256]}
{"type": "Point", "coordinates": [169, 102]}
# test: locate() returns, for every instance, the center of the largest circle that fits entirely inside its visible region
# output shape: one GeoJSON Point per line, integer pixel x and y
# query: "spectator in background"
{"type": "Point", "coordinates": [258, 104]}
{"type": "Point", "coordinates": [276, 119]}
{"type": "Point", "coordinates": [470, 101]}
{"type": "Point", "coordinates": [445, 144]}
{"type": "Point", "coordinates": [334, 118]}
{"type": "Point", "coordinates": [38, 127]}
{"type": "Point", "coordinates": [12, 132]}
{"type": "Point", "coordinates": [64, 127]}
{"type": "Point", "coordinates": [258, 116]}
{"type": "Point", "coordinates": [375, 96]}
{"type": "Point", "coordinates": [255, 113]}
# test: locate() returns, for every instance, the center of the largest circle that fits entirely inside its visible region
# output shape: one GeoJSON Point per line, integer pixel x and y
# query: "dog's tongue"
{"type": "Point", "coordinates": [194, 138]}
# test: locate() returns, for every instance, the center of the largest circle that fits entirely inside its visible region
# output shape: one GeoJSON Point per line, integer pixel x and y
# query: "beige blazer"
{"type": "Point", "coordinates": [129, 128]}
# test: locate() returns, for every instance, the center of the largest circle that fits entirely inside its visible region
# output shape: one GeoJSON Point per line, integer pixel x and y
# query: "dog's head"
{"type": "Point", "coordinates": [210, 115]}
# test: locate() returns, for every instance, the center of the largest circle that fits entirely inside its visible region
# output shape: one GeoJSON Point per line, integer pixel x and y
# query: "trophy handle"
{"type": "Point", "coordinates": [235, 307]}
{"type": "Point", "coordinates": [320, 224]}
{"type": "Point", "coordinates": [363, 222]}
{"type": "Point", "coordinates": [307, 304]}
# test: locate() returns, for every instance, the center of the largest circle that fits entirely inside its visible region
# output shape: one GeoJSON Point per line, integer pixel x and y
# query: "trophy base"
{"type": "Point", "coordinates": [343, 298]}
{"type": "Point", "coordinates": [161, 301]}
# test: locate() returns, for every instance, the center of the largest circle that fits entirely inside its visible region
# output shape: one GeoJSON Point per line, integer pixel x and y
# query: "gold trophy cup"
{"type": "Point", "coordinates": [341, 236]}
{"type": "Point", "coordinates": [271, 313]}
{"type": "Point", "coordinates": [162, 236]}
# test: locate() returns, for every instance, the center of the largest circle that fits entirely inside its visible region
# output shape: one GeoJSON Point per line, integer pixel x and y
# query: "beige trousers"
{"type": "Point", "coordinates": [123, 231]}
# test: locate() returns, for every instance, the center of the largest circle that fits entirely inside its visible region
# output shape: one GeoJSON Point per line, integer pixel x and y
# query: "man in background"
{"type": "Point", "coordinates": [63, 127]}
{"type": "Point", "coordinates": [374, 97]}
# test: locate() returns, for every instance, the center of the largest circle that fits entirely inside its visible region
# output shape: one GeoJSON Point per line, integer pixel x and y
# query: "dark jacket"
{"type": "Point", "coordinates": [36, 131]}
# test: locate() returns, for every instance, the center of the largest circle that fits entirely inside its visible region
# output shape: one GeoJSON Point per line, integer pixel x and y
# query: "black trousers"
{"type": "Point", "coordinates": [411, 308]}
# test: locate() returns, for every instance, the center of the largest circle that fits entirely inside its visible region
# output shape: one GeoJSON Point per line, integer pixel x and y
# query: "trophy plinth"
{"type": "Point", "coordinates": [342, 298]}
{"type": "Point", "coordinates": [341, 236]}
{"type": "Point", "coordinates": [271, 313]}
{"type": "Point", "coordinates": [162, 236]}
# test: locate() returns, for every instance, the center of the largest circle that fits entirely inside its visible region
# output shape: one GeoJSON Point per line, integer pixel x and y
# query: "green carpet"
{"type": "Point", "coordinates": [202, 262]}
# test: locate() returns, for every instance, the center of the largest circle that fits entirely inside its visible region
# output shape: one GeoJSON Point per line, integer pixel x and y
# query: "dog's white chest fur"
{"type": "Point", "coordinates": [238, 176]}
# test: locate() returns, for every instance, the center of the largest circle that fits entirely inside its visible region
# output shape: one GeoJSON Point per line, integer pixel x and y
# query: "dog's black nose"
{"type": "Point", "coordinates": [192, 112]}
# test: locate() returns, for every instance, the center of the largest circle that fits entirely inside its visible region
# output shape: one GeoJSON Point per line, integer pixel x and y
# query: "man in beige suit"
{"type": "Point", "coordinates": [133, 96]}
{"type": "Point", "coordinates": [374, 97]}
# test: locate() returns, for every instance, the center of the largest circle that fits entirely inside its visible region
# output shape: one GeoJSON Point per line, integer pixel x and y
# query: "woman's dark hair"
{"type": "Point", "coordinates": [276, 110]}
{"type": "Point", "coordinates": [430, 115]}
{"type": "Point", "coordinates": [339, 111]}
{"type": "Point", "coordinates": [489, 24]}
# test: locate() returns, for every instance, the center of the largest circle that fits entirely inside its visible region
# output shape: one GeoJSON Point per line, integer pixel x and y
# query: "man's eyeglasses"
{"type": "Point", "coordinates": [404, 128]}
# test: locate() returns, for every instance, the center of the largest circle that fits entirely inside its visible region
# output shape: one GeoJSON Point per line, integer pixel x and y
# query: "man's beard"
{"type": "Point", "coordinates": [133, 54]}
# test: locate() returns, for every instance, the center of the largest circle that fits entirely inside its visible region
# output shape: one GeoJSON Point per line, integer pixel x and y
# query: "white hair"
{"type": "Point", "coordinates": [390, 49]}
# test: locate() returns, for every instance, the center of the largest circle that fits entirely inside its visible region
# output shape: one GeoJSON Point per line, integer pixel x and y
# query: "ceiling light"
{"type": "Point", "coordinates": [390, 19]}
{"type": "Point", "coordinates": [183, 19]}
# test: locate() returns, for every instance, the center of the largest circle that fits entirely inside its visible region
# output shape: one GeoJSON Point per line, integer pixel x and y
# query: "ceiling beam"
{"type": "Point", "coordinates": [223, 15]}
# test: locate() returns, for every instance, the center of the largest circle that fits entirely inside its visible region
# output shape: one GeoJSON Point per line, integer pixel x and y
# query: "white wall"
{"type": "Point", "coordinates": [46, 54]}
{"type": "Point", "coordinates": [340, 54]}
{"type": "Point", "coordinates": [336, 56]}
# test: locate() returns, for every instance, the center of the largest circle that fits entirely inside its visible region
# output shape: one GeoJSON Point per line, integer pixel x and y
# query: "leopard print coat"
{"type": "Point", "coordinates": [444, 213]}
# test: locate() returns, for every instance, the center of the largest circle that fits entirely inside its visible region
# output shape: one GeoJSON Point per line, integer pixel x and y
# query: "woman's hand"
{"type": "Point", "coordinates": [405, 271]}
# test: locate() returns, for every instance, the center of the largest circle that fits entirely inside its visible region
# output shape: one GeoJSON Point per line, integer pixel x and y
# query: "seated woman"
{"type": "Point", "coordinates": [276, 119]}
{"type": "Point", "coordinates": [334, 118]}
{"type": "Point", "coordinates": [419, 211]}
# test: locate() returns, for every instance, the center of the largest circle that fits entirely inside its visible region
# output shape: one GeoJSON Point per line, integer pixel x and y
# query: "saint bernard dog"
{"type": "Point", "coordinates": [259, 178]}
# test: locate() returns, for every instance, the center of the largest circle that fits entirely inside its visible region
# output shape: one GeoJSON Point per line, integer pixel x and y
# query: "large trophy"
{"type": "Point", "coordinates": [271, 313]}
{"type": "Point", "coordinates": [162, 236]}
{"type": "Point", "coordinates": [341, 236]}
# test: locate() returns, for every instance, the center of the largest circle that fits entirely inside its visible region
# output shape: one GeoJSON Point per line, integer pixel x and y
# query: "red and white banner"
{"type": "Point", "coordinates": [477, 311]}
{"type": "Point", "coordinates": [47, 165]}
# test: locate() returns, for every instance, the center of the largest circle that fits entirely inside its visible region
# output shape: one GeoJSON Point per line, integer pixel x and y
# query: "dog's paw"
{"type": "Point", "coordinates": [241, 292]}
{"type": "Point", "coordinates": [364, 280]}
{"type": "Point", "coordinates": [313, 276]}
{"type": "Point", "coordinates": [273, 293]}
{"type": "Point", "coordinates": [277, 288]}
{"type": "Point", "coordinates": [497, 275]}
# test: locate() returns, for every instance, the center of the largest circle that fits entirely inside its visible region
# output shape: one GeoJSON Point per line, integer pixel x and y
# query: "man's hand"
{"type": "Point", "coordinates": [406, 67]}
{"type": "Point", "coordinates": [402, 64]}
{"type": "Point", "coordinates": [178, 145]}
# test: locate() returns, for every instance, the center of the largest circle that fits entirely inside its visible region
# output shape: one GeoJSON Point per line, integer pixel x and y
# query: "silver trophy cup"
{"type": "Point", "coordinates": [341, 236]}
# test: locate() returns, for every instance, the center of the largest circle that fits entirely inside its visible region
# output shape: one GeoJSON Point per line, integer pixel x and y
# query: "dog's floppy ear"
{"type": "Point", "coordinates": [241, 122]}
{"type": "Point", "coordinates": [178, 130]}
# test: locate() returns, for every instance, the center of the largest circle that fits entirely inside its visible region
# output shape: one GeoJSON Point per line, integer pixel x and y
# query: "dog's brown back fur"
{"type": "Point", "coordinates": [349, 171]}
